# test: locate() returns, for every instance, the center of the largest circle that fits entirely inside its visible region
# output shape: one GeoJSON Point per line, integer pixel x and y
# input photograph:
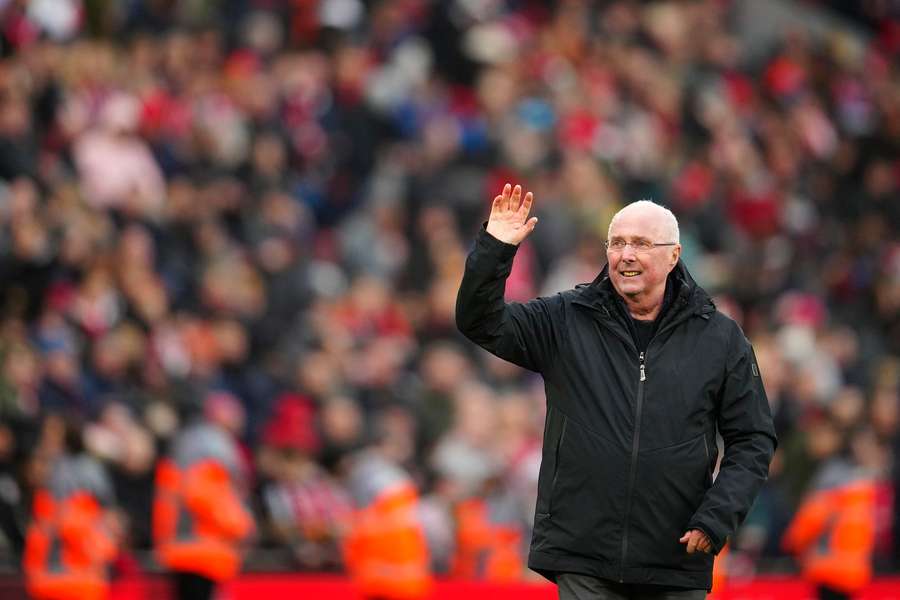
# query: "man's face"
{"type": "Point", "coordinates": [634, 272]}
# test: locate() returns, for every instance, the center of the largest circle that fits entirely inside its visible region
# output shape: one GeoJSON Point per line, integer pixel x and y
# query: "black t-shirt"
{"type": "Point", "coordinates": [643, 331]}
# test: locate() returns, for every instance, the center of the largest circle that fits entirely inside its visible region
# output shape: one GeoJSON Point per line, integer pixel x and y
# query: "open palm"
{"type": "Point", "coordinates": [509, 220]}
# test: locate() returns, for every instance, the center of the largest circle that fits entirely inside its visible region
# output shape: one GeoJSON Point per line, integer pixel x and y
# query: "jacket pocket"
{"type": "Point", "coordinates": [585, 492]}
{"type": "Point", "coordinates": [555, 478]}
{"type": "Point", "coordinates": [671, 484]}
{"type": "Point", "coordinates": [710, 465]}
{"type": "Point", "coordinates": [553, 430]}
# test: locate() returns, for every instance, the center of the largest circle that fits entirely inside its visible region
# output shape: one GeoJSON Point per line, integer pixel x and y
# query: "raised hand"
{"type": "Point", "coordinates": [509, 220]}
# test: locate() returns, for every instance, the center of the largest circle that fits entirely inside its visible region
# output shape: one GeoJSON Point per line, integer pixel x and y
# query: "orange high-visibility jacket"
{"type": "Point", "coordinates": [834, 534]}
{"type": "Point", "coordinates": [385, 551]}
{"type": "Point", "coordinates": [68, 548]}
{"type": "Point", "coordinates": [198, 519]}
{"type": "Point", "coordinates": [720, 572]}
{"type": "Point", "coordinates": [485, 550]}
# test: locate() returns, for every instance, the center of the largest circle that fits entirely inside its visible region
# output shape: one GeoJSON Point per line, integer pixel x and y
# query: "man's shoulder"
{"type": "Point", "coordinates": [728, 329]}
{"type": "Point", "coordinates": [592, 292]}
{"type": "Point", "coordinates": [572, 294]}
{"type": "Point", "coordinates": [723, 320]}
{"type": "Point", "coordinates": [564, 296]}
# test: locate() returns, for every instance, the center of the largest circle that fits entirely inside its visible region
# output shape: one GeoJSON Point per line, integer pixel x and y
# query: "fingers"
{"type": "Point", "coordinates": [510, 199]}
{"type": "Point", "coordinates": [696, 541]}
{"type": "Point", "coordinates": [525, 208]}
{"type": "Point", "coordinates": [703, 543]}
{"type": "Point", "coordinates": [496, 204]}
{"type": "Point", "coordinates": [692, 543]}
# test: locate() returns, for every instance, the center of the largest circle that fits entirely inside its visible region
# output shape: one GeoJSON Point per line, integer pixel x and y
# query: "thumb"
{"type": "Point", "coordinates": [685, 537]}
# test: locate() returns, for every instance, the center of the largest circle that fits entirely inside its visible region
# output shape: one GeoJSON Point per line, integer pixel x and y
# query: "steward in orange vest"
{"type": "Point", "coordinates": [487, 547]}
{"type": "Point", "coordinates": [385, 549]}
{"type": "Point", "coordinates": [833, 532]}
{"type": "Point", "coordinates": [71, 542]}
{"type": "Point", "coordinates": [199, 520]}
{"type": "Point", "coordinates": [720, 572]}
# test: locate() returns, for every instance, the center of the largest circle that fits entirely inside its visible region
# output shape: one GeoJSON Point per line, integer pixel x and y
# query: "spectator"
{"type": "Point", "coordinates": [306, 510]}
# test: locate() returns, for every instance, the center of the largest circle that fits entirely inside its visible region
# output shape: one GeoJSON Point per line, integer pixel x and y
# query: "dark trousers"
{"type": "Point", "coordinates": [190, 586]}
{"type": "Point", "coordinates": [572, 586]}
{"type": "Point", "coordinates": [828, 593]}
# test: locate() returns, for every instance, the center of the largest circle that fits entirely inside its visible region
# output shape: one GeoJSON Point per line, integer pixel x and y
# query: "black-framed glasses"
{"type": "Point", "coordinates": [638, 245]}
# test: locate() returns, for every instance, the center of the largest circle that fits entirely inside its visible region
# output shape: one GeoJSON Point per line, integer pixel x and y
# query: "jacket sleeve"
{"type": "Point", "coordinates": [523, 334]}
{"type": "Point", "coordinates": [745, 423]}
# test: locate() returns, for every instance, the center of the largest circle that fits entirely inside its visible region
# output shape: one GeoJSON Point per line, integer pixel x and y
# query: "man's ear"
{"type": "Point", "coordinates": [676, 254]}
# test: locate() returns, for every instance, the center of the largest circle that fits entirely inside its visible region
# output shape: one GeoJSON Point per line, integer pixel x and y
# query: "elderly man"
{"type": "Point", "coordinates": [640, 370]}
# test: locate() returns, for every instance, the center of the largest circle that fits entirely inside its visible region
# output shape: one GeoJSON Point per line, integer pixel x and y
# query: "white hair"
{"type": "Point", "coordinates": [670, 221]}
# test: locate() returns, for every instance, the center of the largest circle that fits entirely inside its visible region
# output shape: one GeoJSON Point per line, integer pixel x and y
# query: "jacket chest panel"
{"type": "Point", "coordinates": [680, 396]}
{"type": "Point", "coordinates": [600, 377]}
{"type": "Point", "coordinates": [598, 380]}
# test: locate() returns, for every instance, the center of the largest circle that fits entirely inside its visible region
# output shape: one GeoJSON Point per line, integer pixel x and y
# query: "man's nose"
{"type": "Point", "coordinates": [628, 253]}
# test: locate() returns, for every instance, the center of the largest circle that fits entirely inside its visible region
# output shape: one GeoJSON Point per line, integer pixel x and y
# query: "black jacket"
{"type": "Point", "coordinates": [629, 440]}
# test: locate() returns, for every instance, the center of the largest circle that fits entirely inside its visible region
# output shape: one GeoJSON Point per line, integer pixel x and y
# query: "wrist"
{"type": "Point", "coordinates": [493, 233]}
{"type": "Point", "coordinates": [488, 241]}
{"type": "Point", "coordinates": [499, 236]}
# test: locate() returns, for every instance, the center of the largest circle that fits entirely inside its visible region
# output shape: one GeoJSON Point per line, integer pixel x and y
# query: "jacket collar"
{"type": "Point", "coordinates": [688, 297]}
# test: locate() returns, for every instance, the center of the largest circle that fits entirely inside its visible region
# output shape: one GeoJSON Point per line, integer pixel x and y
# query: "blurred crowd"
{"type": "Point", "coordinates": [258, 211]}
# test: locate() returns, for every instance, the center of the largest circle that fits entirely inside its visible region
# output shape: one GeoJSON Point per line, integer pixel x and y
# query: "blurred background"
{"type": "Point", "coordinates": [258, 211]}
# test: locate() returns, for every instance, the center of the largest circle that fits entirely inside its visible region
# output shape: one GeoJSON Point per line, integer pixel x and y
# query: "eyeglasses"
{"type": "Point", "coordinates": [638, 245]}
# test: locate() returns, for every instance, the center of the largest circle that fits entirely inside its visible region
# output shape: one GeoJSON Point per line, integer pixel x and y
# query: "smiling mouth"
{"type": "Point", "coordinates": [631, 273]}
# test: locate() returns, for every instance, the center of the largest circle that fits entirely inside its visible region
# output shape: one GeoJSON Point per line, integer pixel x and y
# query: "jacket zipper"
{"type": "Point", "coordinates": [632, 473]}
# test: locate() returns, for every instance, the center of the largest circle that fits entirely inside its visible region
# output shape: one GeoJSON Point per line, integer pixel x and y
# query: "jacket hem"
{"type": "Point", "coordinates": [548, 565]}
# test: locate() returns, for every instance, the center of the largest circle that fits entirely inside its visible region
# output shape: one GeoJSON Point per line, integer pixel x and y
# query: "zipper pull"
{"type": "Point", "coordinates": [643, 375]}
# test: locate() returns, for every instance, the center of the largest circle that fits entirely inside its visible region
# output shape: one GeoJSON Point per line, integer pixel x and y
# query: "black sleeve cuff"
{"type": "Point", "coordinates": [492, 245]}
